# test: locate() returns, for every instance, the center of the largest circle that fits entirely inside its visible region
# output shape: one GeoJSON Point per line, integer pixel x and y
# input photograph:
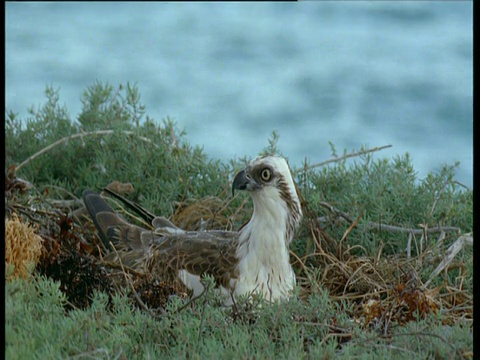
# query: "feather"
{"type": "Point", "coordinates": [252, 260]}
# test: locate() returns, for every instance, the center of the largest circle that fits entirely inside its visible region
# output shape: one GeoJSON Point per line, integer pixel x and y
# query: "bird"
{"type": "Point", "coordinates": [253, 260]}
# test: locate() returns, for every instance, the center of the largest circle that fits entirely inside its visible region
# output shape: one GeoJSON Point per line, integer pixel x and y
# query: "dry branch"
{"type": "Point", "coordinates": [79, 135]}
{"type": "Point", "coordinates": [344, 217]}
{"type": "Point", "coordinates": [452, 251]}
{"type": "Point", "coordinates": [343, 157]}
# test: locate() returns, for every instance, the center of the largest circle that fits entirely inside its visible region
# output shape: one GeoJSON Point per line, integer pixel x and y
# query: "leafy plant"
{"type": "Point", "coordinates": [372, 234]}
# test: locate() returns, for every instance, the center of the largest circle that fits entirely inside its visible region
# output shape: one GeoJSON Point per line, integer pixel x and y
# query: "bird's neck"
{"type": "Point", "coordinates": [269, 229]}
{"type": "Point", "coordinates": [263, 246]}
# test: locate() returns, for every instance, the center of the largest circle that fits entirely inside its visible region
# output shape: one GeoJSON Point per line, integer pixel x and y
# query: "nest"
{"type": "Point", "coordinates": [383, 289]}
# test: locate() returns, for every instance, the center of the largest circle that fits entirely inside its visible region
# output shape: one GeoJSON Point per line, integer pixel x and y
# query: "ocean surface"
{"type": "Point", "coordinates": [353, 73]}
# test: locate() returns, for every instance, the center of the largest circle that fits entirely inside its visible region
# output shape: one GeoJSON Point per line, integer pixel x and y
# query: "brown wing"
{"type": "Point", "coordinates": [166, 249]}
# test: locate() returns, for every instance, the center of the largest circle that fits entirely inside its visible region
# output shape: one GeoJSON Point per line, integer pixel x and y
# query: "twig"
{"type": "Point", "coordinates": [409, 245]}
{"type": "Point", "coordinates": [451, 252]}
{"type": "Point", "coordinates": [306, 270]}
{"type": "Point", "coordinates": [92, 354]}
{"type": "Point", "coordinates": [80, 135]}
{"type": "Point", "coordinates": [324, 340]}
{"type": "Point", "coordinates": [394, 348]}
{"type": "Point", "coordinates": [346, 156]}
{"type": "Point", "coordinates": [348, 231]}
{"type": "Point", "coordinates": [438, 196]}
{"type": "Point", "coordinates": [29, 211]}
{"type": "Point", "coordinates": [275, 324]}
{"type": "Point", "coordinates": [126, 269]}
{"type": "Point", "coordinates": [384, 227]}
{"type": "Point", "coordinates": [460, 184]}
{"type": "Point", "coordinates": [66, 203]}
{"type": "Point", "coordinates": [352, 276]}
{"type": "Point", "coordinates": [420, 333]}
{"type": "Point", "coordinates": [192, 300]}
{"type": "Point", "coordinates": [202, 319]}
{"type": "Point", "coordinates": [60, 189]}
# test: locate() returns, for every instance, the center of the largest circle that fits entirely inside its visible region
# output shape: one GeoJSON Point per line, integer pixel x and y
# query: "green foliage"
{"type": "Point", "coordinates": [423, 339]}
{"type": "Point", "coordinates": [153, 157]}
{"type": "Point", "coordinates": [388, 192]}
{"type": "Point", "coordinates": [271, 149]}
{"type": "Point", "coordinates": [37, 327]}
{"type": "Point", "coordinates": [120, 143]}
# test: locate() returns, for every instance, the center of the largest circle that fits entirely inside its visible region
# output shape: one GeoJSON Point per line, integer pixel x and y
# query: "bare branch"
{"type": "Point", "coordinates": [344, 217]}
{"type": "Point", "coordinates": [451, 252]}
{"type": "Point", "coordinates": [79, 135]}
{"type": "Point", "coordinates": [346, 156]}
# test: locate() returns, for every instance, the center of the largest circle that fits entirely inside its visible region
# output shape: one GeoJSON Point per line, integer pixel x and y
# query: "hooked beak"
{"type": "Point", "coordinates": [243, 181]}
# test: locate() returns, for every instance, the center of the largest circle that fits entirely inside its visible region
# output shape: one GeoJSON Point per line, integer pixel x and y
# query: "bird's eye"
{"type": "Point", "coordinates": [266, 174]}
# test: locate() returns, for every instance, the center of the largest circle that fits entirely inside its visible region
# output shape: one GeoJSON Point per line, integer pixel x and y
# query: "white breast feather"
{"type": "Point", "coordinates": [264, 265]}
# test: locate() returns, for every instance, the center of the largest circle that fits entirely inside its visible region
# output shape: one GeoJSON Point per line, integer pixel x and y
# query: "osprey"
{"type": "Point", "coordinates": [254, 260]}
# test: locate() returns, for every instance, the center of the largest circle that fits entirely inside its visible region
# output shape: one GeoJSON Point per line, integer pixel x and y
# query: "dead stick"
{"type": "Point", "coordinates": [346, 156]}
{"type": "Point", "coordinates": [81, 135]}
{"type": "Point", "coordinates": [384, 227]}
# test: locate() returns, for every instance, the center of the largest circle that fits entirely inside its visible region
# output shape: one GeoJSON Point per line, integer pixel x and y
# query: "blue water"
{"type": "Point", "coordinates": [353, 73]}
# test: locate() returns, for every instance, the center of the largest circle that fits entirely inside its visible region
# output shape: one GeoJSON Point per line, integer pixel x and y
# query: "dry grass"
{"type": "Point", "coordinates": [383, 289]}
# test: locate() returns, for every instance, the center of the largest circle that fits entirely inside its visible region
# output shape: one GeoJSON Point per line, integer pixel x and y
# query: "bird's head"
{"type": "Point", "coordinates": [269, 180]}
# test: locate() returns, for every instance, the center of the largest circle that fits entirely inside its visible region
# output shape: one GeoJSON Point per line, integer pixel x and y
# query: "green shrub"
{"type": "Point", "coordinates": [113, 139]}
